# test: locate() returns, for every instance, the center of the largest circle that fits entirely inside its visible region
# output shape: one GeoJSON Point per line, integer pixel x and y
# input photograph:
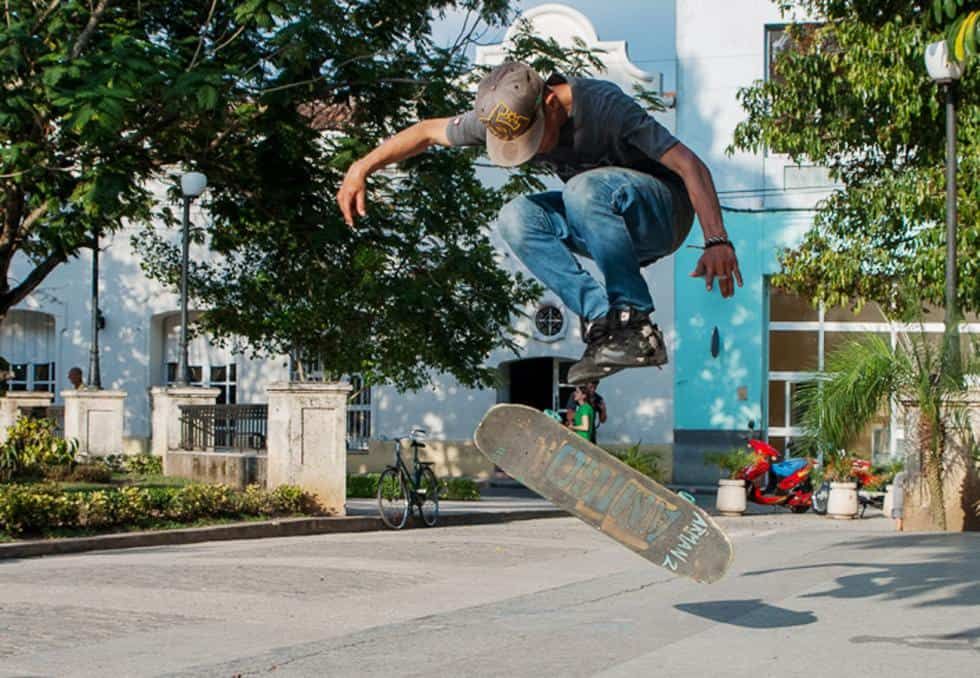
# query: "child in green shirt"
{"type": "Point", "coordinates": [584, 414]}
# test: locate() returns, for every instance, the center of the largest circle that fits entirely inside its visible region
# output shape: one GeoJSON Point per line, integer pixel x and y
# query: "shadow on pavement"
{"type": "Point", "coordinates": [753, 614]}
{"type": "Point", "coordinates": [949, 577]}
{"type": "Point", "coordinates": [961, 640]}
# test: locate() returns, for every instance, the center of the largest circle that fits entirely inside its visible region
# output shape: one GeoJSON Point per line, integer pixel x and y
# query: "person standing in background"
{"type": "Point", "coordinates": [583, 422]}
{"type": "Point", "coordinates": [597, 402]}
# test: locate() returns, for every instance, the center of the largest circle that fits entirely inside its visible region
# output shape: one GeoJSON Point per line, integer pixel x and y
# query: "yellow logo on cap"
{"type": "Point", "coordinates": [504, 123]}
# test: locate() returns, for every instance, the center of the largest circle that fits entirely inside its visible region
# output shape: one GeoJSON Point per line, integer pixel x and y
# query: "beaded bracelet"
{"type": "Point", "coordinates": [714, 242]}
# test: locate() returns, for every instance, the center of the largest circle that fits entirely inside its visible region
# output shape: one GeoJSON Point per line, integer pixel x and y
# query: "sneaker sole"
{"type": "Point", "coordinates": [598, 373]}
{"type": "Point", "coordinates": [620, 362]}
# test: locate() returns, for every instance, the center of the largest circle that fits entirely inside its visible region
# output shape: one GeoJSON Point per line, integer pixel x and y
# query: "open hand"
{"type": "Point", "coordinates": [352, 195]}
{"type": "Point", "coordinates": [719, 263]}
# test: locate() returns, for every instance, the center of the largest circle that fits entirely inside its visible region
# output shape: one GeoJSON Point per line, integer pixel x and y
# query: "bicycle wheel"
{"type": "Point", "coordinates": [428, 493]}
{"type": "Point", "coordinates": [393, 499]}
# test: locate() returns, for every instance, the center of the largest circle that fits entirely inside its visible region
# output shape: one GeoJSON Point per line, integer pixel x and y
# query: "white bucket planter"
{"type": "Point", "coordinates": [843, 501]}
{"type": "Point", "coordinates": [731, 497]}
{"type": "Point", "coordinates": [889, 501]}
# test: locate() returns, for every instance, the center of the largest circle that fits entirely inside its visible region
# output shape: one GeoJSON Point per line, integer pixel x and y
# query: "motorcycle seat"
{"type": "Point", "coordinates": [787, 468]}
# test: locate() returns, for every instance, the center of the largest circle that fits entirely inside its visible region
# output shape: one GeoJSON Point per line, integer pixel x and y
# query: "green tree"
{"type": "Point", "coordinates": [855, 97]}
{"type": "Point", "coordinates": [417, 287]}
{"type": "Point", "coordinates": [102, 98]}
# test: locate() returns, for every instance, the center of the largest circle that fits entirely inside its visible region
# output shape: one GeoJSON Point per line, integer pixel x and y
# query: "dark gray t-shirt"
{"type": "Point", "coordinates": [606, 128]}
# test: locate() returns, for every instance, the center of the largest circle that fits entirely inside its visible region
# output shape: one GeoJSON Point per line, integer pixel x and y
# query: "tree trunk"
{"type": "Point", "coordinates": [932, 445]}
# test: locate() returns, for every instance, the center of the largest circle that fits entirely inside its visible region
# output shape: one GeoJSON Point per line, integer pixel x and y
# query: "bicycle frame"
{"type": "Point", "coordinates": [413, 477]}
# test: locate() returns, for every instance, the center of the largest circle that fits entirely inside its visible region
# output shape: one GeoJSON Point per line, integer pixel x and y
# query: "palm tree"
{"type": "Point", "coordinates": [859, 381]}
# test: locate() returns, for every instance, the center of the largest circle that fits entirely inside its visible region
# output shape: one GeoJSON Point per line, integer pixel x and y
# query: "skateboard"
{"type": "Point", "coordinates": [593, 485]}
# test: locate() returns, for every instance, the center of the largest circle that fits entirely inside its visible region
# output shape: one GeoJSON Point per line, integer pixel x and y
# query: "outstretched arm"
{"type": "Point", "coordinates": [716, 262]}
{"type": "Point", "coordinates": [352, 196]}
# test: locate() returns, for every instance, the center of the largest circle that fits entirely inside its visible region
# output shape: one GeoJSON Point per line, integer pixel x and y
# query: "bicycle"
{"type": "Point", "coordinates": [399, 490]}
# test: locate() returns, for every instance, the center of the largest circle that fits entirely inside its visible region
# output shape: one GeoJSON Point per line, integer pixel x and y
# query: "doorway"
{"type": "Point", "coordinates": [536, 382]}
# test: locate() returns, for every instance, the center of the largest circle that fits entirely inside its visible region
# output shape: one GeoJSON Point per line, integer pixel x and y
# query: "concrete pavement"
{"type": "Point", "coordinates": [539, 598]}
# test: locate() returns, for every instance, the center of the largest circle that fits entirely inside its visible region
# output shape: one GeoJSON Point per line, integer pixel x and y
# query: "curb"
{"type": "Point", "coordinates": [285, 527]}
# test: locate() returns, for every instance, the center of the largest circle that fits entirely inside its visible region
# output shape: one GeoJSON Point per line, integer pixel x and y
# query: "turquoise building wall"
{"type": "Point", "coordinates": [708, 413]}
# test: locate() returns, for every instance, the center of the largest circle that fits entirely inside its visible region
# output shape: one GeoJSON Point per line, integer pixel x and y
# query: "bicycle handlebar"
{"type": "Point", "coordinates": [416, 436]}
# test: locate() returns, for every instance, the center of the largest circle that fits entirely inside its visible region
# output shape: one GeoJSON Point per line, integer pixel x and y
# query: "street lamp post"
{"type": "Point", "coordinates": [945, 72]}
{"type": "Point", "coordinates": [94, 370]}
{"type": "Point", "coordinates": [192, 184]}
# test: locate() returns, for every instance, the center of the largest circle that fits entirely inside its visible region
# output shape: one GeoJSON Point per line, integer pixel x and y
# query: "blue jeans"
{"type": "Point", "coordinates": [622, 219]}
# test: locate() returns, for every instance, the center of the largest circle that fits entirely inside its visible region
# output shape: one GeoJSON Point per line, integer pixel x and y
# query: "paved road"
{"type": "Point", "coordinates": [541, 598]}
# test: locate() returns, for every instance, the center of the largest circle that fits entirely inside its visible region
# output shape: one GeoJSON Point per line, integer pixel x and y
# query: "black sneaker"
{"type": "Point", "coordinates": [624, 338]}
{"type": "Point", "coordinates": [588, 369]}
{"type": "Point", "coordinates": [636, 341]}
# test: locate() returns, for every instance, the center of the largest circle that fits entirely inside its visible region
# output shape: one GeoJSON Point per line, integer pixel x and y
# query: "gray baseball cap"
{"type": "Point", "coordinates": [509, 102]}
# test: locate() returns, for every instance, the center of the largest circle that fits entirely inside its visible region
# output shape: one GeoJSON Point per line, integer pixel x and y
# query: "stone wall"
{"type": "Point", "coordinates": [230, 468]}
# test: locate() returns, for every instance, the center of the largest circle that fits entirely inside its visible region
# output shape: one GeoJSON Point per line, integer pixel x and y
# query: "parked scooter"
{"type": "Point", "coordinates": [770, 482]}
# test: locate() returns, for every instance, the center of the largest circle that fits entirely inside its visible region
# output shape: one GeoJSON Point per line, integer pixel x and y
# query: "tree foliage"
{"type": "Point", "coordinates": [855, 97]}
{"type": "Point", "coordinates": [101, 97]}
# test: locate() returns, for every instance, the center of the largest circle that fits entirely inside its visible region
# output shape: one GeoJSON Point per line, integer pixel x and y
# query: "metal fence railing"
{"type": "Point", "coordinates": [358, 428]}
{"type": "Point", "coordinates": [224, 428]}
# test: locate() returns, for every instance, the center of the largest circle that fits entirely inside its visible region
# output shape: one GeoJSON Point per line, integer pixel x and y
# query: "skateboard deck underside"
{"type": "Point", "coordinates": [599, 489]}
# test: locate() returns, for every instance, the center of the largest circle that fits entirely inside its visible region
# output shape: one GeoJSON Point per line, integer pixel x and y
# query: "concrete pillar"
{"type": "Point", "coordinates": [307, 440]}
{"type": "Point", "coordinates": [165, 402]}
{"type": "Point", "coordinates": [14, 402]}
{"type": "Point", "coordinates": [95, 419]}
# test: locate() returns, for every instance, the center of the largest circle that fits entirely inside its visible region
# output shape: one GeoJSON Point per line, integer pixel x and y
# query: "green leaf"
{"type": "Point", "coordinates": [207, 97]}
{"type": "Point", "coordinates": [950, 8]}
{"type": "Point", "coordinates": [970, 42]}
{"type": "Point", "coordinates": [82, 117]}
{"type": "Point", "coordinates": [53, 75]}
{"type": "Point", "coordinates": [953, 39]}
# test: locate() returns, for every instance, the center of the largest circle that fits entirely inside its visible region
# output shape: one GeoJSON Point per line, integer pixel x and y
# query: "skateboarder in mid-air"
{"type": "Point", "coordinates": [631, 192]}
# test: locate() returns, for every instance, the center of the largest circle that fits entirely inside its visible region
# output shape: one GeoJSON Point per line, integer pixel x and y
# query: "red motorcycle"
{"type": "Point", "coordinates": [769, 481]}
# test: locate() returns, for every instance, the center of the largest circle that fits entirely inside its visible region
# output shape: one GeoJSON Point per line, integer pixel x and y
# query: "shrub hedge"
{"type": "Point", "coordinates": [647, 463]}
{"type": "Point", "coordinates": [454, 489]}
{"type": "Point", "coordinates": [32, 447]}
{"type": "Point", "coordinates": [137, 464]}
{"type": "Point", "coordinates": [33, 509]}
